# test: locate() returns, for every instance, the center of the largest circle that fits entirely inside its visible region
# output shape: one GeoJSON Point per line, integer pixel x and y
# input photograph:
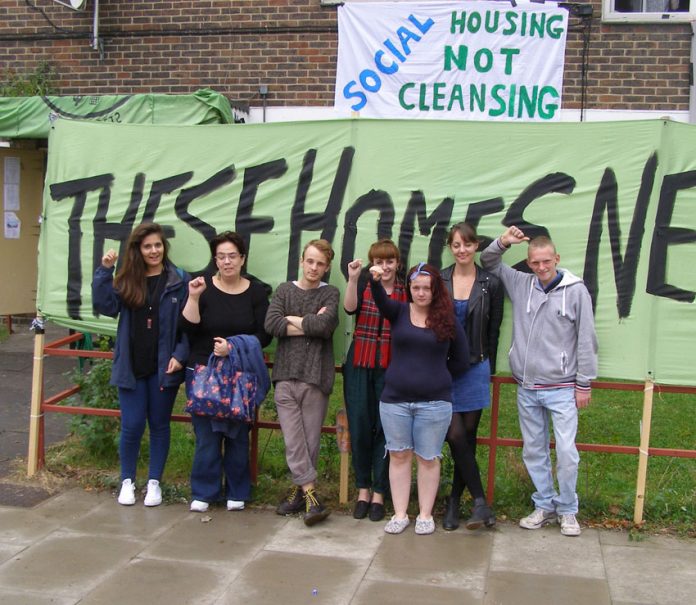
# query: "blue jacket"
{"type": "Point", "coordinates": [250, 356]}
{"type": "Point", "coordinates": [106, 301]}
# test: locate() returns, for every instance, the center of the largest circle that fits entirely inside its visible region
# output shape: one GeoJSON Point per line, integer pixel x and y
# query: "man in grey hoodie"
{"type": "Point", "coordinates": [553, 358]}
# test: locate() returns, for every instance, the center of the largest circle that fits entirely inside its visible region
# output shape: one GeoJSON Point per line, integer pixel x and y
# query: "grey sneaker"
{"type": "Point", "coordinates": [425, 526]}
{"type": "Point", "coordinates": [538, 519]}
{"type": "Point", "coordinates": [396, 526]}
{"type": "Point", "coordinates": [569, 525]}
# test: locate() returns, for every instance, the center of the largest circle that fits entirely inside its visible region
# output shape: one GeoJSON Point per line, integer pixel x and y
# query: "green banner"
{"type": "Point", "coordinates": [619, 199]}
{"type": "Point", "coordinates": [31, 117]}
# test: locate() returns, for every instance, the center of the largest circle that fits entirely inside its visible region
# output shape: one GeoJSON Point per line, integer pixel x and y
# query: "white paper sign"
{"type": "Point", "coordinates": [451, 60]}
{"type": "Point", "coordinates": [13, 226]}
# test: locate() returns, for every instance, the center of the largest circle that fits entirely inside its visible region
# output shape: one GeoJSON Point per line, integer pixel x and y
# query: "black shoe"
{"type": "Point", "coordinates": [481, 515]}
{"type": "Point", "coordinates": [360, 510]}
{"type": "Point", "coordinates": [315, 511]}
{"type": "Point", "coordinates": [376, 511]}
{"type": "Point", "coordinates": [450, 521]}
{"type": "Point", "coordinates": [293, 503]}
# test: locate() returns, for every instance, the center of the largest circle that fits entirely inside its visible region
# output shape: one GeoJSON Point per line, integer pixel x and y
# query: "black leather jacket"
{"type": "Point", "coordinates": [484, 314]}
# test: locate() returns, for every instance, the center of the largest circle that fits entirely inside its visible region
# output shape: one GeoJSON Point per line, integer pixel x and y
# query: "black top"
{"type": "Point", "coordinates": [226, 315]}
{"type": "Point", "coordinates": [145, 328]}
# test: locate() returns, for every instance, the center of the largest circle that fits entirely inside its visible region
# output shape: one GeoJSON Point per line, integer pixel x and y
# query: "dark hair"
{"type": "Point", "coordinates": [466, 231]}
{"type": "Point", "coordinates": [383, 248]}
{"type": "Point", "coordinates": [131, 279]}
{"type": "Point", "coordinates": [441, 313]}
{"type": "Point", "coordinates": [228, 236]}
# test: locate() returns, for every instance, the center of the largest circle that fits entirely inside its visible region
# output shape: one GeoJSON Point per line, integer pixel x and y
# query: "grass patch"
{"type": "Point", "coordinates": [4, 332]}
{"type": "Point", "coordinates": [606, 482]}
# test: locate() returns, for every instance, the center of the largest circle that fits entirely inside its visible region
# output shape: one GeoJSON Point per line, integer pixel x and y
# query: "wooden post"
{"type": "Point", "coordinates": [343, 442]}
{"type": "Point", "coordinates": [643, 451]}
{"type": "Point", "coordinates": [36, 414]}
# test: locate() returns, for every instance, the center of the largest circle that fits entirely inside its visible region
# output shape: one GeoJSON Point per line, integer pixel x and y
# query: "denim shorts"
{"type": "Point", "coordinates": [420, 426]}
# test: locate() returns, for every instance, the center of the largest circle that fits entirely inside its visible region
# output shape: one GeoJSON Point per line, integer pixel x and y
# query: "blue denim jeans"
{"type": "Point", "coordinates": [536, 407]}
{"type": "Point", "coordinates": [216, 455]}
{"type": "Point", "coordinates": [419, 426]}
{"type": "Point", "coordinates": [145, 403]}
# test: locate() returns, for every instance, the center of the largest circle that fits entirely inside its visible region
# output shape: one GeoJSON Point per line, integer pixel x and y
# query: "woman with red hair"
{"type": "Point", "coordinates": [428, 348]}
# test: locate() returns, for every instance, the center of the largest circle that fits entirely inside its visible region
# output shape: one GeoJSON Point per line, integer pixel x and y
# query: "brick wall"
{"type": "Point", "coordinates": [232, 46]}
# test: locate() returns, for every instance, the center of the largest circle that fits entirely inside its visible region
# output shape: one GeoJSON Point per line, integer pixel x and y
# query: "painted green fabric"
{"type": "Point", "coordinates": [619, 199]}
{"type": "Point", "coordinates": [31, 117]}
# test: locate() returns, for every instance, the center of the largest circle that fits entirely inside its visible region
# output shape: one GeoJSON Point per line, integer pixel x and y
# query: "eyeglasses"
{"type": "Point", "coordinates": [232, 256]}
{"type": "Point", "coordinates": [419, 271]}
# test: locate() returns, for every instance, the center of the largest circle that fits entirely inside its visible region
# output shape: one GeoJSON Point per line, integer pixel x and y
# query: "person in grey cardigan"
{"type": "Point", "coordinates": [303, 315]}
{"type": "Point", "coordinates": [553, 358]}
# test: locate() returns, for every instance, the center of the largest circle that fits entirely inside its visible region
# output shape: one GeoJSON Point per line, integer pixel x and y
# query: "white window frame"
{"type": "Point", "coordinates": [609, 14]}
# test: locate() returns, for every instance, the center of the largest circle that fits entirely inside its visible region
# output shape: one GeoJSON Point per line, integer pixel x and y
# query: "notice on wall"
{"type": "Point", "coordinates": [453, 60]}
{"type": "Point", "coordinates": [13, 226]}
{"type": "Point", "coordinates": [11, 184]}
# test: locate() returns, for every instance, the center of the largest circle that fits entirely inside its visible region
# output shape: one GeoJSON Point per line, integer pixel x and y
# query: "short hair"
{"type": "Point", "coordinates": [228, 236]}
{"type": "Point", "coordinates": [383, 248]}
{"type": "Point", "coordinates": [466, 231]}
{"type": "Point", "coordinates": [323, 246]}
{"type": "Point", "coordinates": [542, 241]}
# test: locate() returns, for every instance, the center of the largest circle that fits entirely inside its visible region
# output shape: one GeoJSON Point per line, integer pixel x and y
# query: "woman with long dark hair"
{"type": "Point", "coordinates": [428, 348]}
{"type": "Point", "coordinates": [478, 303]}
{"type": "Point", "coordinates": [226, 304]}
{"type": "Point", "coordinates": [147, 294]}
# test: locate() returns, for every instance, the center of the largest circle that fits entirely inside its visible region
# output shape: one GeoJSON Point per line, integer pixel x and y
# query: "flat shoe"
{"type": "Point", "coordinates": [376, 512]}
{"type": "Point", "coordinates": [360, 510]}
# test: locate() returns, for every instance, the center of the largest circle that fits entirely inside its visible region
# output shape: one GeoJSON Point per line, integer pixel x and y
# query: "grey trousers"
{"type": "Point", "coordinates": [301, 411]}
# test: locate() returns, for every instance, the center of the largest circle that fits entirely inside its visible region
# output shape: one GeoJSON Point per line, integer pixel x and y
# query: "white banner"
{"type": "Point", "coordinates": [452, 60]}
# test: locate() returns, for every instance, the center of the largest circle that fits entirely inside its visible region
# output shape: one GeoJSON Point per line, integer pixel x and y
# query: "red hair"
{"type": "Point", "coordinates": [441, 313]}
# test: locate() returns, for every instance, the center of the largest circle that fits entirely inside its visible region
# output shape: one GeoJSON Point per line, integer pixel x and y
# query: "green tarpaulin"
{"type": "Point", "coordinates": [618, 198]}
{"type": "Point", "coordinates": [31, 117]}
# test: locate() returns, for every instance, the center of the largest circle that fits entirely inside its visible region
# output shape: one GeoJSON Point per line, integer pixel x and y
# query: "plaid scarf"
{"type": "Point", "coordinates": [372, 329]}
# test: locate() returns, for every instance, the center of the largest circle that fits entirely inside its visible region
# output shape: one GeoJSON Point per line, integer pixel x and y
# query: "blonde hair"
{"type": "Point", "coordinates": [323, 246]}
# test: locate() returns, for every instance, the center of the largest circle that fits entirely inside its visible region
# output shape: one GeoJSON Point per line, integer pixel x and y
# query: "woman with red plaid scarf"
{"type": "Point", "coordinates": [363, 376]}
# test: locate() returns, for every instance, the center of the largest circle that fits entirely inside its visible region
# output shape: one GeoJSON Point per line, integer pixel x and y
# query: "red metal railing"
{"type": "Point", "coordinates": [493, 441]}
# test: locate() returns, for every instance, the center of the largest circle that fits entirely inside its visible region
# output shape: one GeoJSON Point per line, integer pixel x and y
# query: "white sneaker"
{"type": "Point", "coordinates": [569, 525]}
{"type": "Point", "coordinates": [198, 506]}
{"type": "Point", "coordinates": [538, 519]}
{"type": "Point", "coordinates": [126, 496]}
{"type": "Point", "coordinates": [153, 497]}
{"type": "Point", "coordinates": [235, 505]}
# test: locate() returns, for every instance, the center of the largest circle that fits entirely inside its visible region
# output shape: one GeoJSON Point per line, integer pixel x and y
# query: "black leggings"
{"type": "Point", "coordinates": [461, 437]}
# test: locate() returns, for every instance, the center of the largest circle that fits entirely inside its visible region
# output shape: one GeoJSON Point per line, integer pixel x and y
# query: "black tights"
{"type": "Point", "coordinates": [461, 437]}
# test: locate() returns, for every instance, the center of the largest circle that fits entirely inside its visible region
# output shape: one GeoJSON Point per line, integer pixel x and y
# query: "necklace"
{"type": "Point", "coordinates": [151, 296]}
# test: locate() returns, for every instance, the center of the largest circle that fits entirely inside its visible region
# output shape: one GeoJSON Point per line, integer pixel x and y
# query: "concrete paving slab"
{"type": "Point", "coordinates": [510, 588]}
{"type": "Point", "coordinates": [67, 564]}
{"type": "Point", "coordinates": [648, 542]}
{"type": "Point", "coordinates": [338, 536]}
{"type": "Point", "coordinates": [546, 551]}
{"type": "Point", "coordinates": [650, 575]}
{"type": "Point", "coordinates": [8, 597]}
{"type": "Point", "coordinates": [152, 582]}
{"type": "Point", "coordinates": [18, 494]}
{"type": "Point", "coordinates": [21, 526]}
{"type": "Point", "coordinates": [292, 579]}
{"type": "Point", "coordinates": [393, 593]}
{"type": "Point", "coordinates": [138, 521]}
{"type": "Point", "coordinates": [455, 559]}
{"type": "Point", "coordinates": [7, 551]}
{"type": "Point", "coordinates": [229, 538]}
{"type": "Point", "coordinates": [72, 505]}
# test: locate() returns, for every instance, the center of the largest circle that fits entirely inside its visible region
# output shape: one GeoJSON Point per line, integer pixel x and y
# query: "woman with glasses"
{"type": "Point", "coordinates": [428, 348]}
{"type": "Point", "coordinates": [478, 304]}
{"type": "Point", "coordinates": [226, 304]}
